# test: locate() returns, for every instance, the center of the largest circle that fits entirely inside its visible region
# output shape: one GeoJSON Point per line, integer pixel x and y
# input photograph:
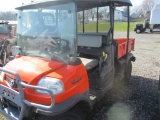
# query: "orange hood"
{"type": "Point", "coordinates": [30, 68]}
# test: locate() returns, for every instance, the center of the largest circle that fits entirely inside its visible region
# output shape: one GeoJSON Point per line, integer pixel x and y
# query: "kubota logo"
{"type": "Point", "coordinates": [76, 80]}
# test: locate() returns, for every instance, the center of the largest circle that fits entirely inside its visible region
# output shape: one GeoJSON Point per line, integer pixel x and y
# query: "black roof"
{"type": "Point", "coordinates": [81, 4]}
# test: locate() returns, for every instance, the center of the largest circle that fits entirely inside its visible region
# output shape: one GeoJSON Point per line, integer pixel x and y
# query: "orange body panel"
{"type": "Point", "coordinates": [32, 69]}
{"type": "Point", "coordinates": [122, 46]}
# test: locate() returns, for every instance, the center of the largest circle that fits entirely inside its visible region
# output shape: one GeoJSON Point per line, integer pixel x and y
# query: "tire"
{"type": "Point", "coordinates": [138, 31]}
{"type": "Point", "coordinates": [128, 72]}
{"type": "Point", "coordinates": [159, 93]}
{"type": "Point", "coordinates": [159, 100]}
{"type": "Point", "coordinates": [73, 114]}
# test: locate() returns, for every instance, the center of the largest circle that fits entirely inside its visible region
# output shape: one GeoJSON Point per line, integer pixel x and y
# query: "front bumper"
{"type": "Point", "coordinates": [18, 99]}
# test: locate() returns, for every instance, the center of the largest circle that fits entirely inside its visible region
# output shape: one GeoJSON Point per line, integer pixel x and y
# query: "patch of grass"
{"type": "Point", "coordinates": [2, 117]}
{"type": "Point", "coordinates": [104, 26]}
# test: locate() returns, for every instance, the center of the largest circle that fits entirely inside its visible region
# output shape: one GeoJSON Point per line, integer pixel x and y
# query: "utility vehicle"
{"type": "Point", "coordinates": [58, 73]}
{"type": "Point", "coordinates": [151, 24]}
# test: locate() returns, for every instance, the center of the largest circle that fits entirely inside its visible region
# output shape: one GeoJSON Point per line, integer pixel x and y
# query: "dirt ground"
{"type": "Point", "coordinates": [139, 99]}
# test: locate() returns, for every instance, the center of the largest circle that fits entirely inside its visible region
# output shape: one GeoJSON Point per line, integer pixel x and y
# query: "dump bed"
{"type": "Point", "coordinates": [121, 46]}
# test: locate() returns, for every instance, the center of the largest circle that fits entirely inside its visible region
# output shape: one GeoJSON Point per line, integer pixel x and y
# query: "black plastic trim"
{"type": "Point", "coordinates": [66, 105]}
{"type": "Point", "coordinates": [77, 62]}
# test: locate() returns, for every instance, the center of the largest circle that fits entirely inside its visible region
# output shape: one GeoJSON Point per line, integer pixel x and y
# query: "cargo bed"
{"type": "Point", "coordinates": [121, 46]}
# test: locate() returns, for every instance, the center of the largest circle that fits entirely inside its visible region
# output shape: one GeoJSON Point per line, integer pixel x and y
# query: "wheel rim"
{"type": "Point", "coordinates": [138, 30]}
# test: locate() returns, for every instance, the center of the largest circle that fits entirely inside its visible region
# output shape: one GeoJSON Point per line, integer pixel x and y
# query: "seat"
{"type": "Point", "coordinates": [86, 45]}
{"type": "Point", "coordinates": [91, 41]}
{"type": "Point", "coordinates": [89, 63]}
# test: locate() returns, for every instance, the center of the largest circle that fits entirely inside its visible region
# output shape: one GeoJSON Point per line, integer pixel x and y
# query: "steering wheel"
{"type": "Point", "coordinates": [58, 46]}
{"type": "Point", "coordinates": [61, 45]}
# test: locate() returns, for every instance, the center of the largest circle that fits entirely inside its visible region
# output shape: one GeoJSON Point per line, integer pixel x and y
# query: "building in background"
{"type": "Point", "coordinates": [119, 16]}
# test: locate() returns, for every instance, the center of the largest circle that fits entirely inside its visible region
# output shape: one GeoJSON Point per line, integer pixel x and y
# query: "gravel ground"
{"type": "Point", "coordinates": [139, 99]}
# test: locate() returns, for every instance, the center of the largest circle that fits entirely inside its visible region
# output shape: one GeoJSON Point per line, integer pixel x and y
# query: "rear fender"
{"type": "Point", "coordinates": [131, 57]}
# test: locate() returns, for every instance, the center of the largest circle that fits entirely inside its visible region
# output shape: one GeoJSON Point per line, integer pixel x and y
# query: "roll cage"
{"type": "Point", "coordinates": [81, 4]}
{"type": "Point", "coordinates": [85, 5]}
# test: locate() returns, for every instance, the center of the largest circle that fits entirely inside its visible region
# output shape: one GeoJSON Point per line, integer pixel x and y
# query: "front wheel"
{"type": "Point", "coordinates": [73, 114]}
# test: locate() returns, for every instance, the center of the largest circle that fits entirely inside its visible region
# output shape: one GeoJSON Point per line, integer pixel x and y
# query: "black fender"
{"type": "Point", "coordinates": [125, 59]}
{"type": "Point", "coordinates": [79, 99]}
{"type": "Point", "coordinates": [120, 65]}
{"type": "Point", "coordinates": [130, 57]}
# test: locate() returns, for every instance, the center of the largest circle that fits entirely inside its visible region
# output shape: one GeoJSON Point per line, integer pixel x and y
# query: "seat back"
{"type": "Point", "coordinates": [90, 45]}
{"type": "Point", "coordinates": [90, 41]}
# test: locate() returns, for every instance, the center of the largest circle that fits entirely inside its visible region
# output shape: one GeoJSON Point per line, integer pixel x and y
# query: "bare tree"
{"type": "Point", "coordinates": [79, 15]}
{"type": "Point", "coordinates": [9, 15]}
{"type": "Point", "coordinates": [86, 14]}
{"type": "Point", "coordinates": [147, 5]}
{"type": "Point", "coordinates": [100, 15]}
{"type": "Point", "coordinates": [92, 13]}
{"type": "Point", "coordinates": [125, 9]}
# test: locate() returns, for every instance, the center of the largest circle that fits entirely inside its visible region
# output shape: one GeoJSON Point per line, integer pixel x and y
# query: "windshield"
{"type": "Point", "coordinates": [48, 32]}
{"type": "Point", "coordinates": [3, 28]}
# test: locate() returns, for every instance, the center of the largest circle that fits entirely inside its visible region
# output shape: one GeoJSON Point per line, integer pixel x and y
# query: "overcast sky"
{"type": "Point", "coordinates": [7, 5]}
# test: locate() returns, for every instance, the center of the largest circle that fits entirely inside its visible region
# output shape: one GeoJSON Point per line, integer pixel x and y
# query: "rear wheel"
{"type": "Point", "coordinates": [159, 93]}
{"type": "Point", "coordinates": [138, 31]}
{"type": "Point", "coordinates": [128, 72]}
{"type": "Point", "coordinates": [73, 114]}
{"type": "Point", "coordinates": [159, 100]}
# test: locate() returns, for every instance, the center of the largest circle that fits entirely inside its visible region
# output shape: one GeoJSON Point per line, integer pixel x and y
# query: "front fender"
{"type": "Point", "coordinates": [66, 105]}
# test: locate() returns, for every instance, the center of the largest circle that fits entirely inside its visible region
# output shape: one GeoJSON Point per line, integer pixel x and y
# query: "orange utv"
{"type": "Point", "coordinates": [59, 73]}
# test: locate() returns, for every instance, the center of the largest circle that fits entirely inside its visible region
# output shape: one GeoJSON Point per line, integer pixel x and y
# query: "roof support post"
{"type": "Point", "coordinates": [57, 18]}
{"type": "Point", "coordinates": [83, 21]}
{"type": "Point", "coordinates": [112, 20]}
{"type": "Point", "coordinates": [128, 27]}
{"type": "Point", "coordinates": [97, 21]}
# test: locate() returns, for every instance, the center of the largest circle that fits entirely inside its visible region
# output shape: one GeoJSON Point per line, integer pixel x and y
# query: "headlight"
{"type": "Point", "coordinates": [53, 84]}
